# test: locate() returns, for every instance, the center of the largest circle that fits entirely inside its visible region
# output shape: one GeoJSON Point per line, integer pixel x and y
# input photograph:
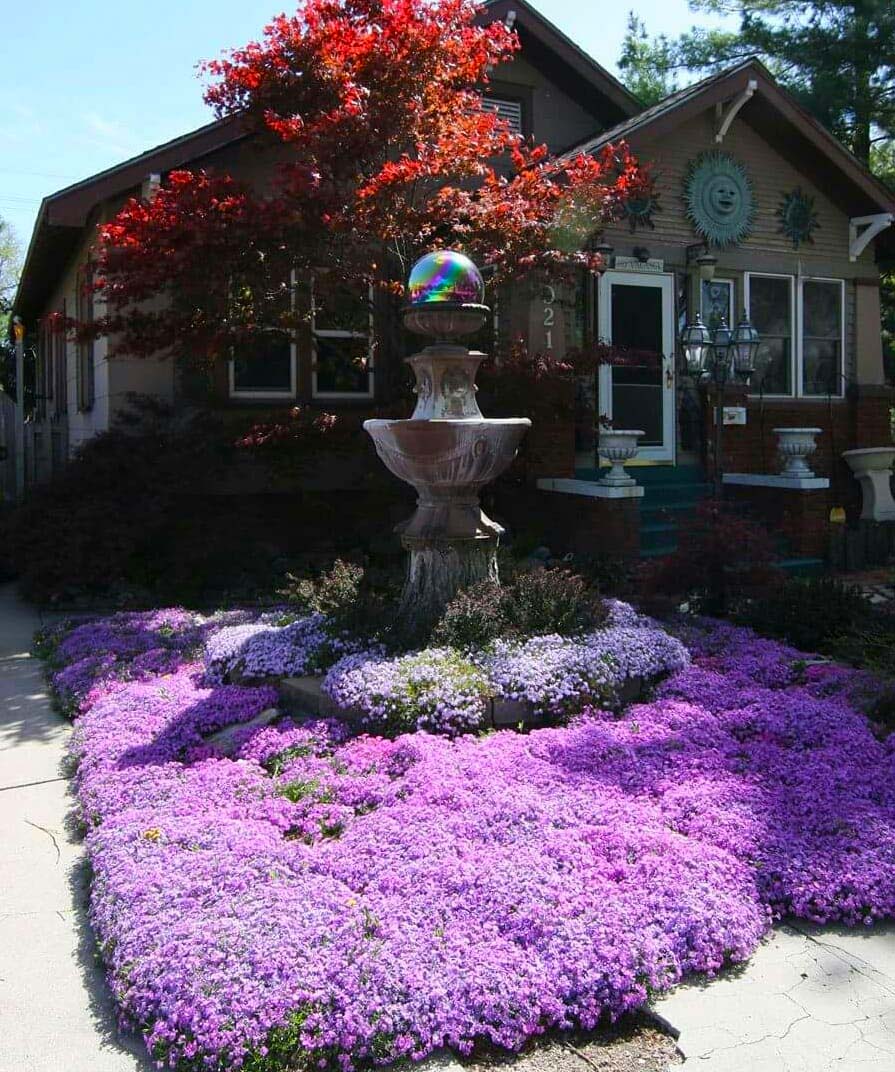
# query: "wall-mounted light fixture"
{"type": "Point", "coordinates": [641, 253]}
{"type": "Point", "coordinates": [605, 249]}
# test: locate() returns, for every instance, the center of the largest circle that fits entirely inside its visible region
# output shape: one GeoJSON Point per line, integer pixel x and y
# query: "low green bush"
{"type": "Point", "coordinates": [810, 613]}
{"type": "Point", "coordinates": [532, 603]}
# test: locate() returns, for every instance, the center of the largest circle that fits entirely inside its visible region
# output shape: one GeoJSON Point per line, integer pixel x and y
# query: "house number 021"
{"type": "Point", "coordinates": [549, 316]}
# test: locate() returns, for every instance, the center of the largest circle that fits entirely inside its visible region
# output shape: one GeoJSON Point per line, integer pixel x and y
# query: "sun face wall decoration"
{"type": "Point", "coordinates": [640, 209]}
{"type": "Point", "coordinates": [719, 198]}
{"type": "Point", "coordinates": [797, 217]}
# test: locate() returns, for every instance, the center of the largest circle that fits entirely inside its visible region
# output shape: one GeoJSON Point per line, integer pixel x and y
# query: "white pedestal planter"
{"type": "Point", "coordinates": [873, 471]}
{"type": "Point", "coordinates": [794, 446]}
{"type": "Point", "coordinates": [618, 446]}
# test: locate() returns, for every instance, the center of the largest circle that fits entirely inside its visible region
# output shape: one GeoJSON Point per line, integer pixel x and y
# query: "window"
{"type": "Point", "coordinates": [265, 366]}
{"type": "Point", "coordinates": [770, 302]}
{"type": "Point", "coordinates": [802, 333]}
{"type": "Point", "coordinates": [822, 334]}
{"type": "Point", "coordinates": [86, 377]}
{"type": "Point", "coordinates": [342, 339]}
{"type": "Point", "coordinates": [716, 301]}
{"type": "Point", "coordinates": [510, 111]}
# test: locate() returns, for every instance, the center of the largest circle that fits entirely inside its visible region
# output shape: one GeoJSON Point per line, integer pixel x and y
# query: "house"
{"type": "Point", "coordinates": [756, 210]}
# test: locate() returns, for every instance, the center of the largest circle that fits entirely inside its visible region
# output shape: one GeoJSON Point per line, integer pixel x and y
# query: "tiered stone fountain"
{"type": "Point", "coordinates": [446, 450]}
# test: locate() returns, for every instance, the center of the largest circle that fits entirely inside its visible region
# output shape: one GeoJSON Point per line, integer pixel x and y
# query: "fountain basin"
{"type": "Point", "coordinates": [872, 467]}
{"type": "Point", "coordinates": [448, 462]}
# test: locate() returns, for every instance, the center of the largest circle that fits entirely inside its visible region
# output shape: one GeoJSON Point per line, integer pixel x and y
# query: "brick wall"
{"type": "Point", "coordinates": [861, 419]}
{"type": "Point", "coordinates": [570, 523]}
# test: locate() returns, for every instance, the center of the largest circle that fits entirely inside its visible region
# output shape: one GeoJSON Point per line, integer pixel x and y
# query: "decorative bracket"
{"type": "Point", "coordinates": [858, 240]}
{"type": "Point", "coordinates": [725, 118]}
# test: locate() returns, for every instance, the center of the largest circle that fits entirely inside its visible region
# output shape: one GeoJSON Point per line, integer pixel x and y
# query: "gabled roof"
{"type": "Point", "coordinates": [545, 42]}
{"type": "Point", "coordinates": [776, 115]}
{"type": "Point", "coordinates": [63, 215]}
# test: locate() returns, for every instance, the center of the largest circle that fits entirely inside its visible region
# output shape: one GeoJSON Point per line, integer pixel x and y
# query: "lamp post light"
{"type": "Point", "coordinates": [712, 357]}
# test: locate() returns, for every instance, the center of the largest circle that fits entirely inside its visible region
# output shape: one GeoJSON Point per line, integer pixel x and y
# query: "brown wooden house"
{"type": "Point", "coordinates": [758, 210]}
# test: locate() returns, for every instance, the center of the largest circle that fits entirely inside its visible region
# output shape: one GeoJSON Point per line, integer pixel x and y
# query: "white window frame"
{"type": "Point", "coordinates": [797, 309]}
{"type": "Point", "coordinates": [731, 310]}
{"type": "Point", "coordinates": [840, 392]}
{"type": "Point", "coordinates": [795, 347]}
{"type": "Point", "coordinates": [333, 333]}
{"type": "Point", "coordinates": [236, 392]}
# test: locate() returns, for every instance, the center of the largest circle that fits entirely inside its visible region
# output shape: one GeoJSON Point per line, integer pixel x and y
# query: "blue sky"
{"type": "Point", "coordinates": [86, 85]}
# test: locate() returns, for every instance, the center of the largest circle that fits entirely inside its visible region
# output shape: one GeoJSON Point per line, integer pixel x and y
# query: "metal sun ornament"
{"type": "Point", "coordinates": [719, 198]}
{"type": "Point", "coordinates": [797, 216]}
{"type": "Point", "coordinates": [640, 208]}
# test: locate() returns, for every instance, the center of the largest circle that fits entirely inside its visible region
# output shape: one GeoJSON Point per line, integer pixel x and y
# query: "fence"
{"type": "Point", "coordinates": [45, 448]}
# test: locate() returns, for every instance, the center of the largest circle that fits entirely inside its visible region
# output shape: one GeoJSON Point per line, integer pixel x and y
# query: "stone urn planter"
{"type": "Point", "coordinates": [617, 446]}
{"type": "Point", "coordinates": [795, 445]}
{"type": "Point", "coordinates": [872, 467]}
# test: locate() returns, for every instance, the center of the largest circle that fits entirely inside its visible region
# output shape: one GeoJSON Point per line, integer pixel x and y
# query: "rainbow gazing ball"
{"type": "Point", "coordinates": [445, 276]}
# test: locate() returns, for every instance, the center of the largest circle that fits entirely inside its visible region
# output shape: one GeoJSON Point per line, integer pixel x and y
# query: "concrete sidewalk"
{"type": "Point", "coordinates": [809, 1000]}
{"type": "Point", "coordinates": [55, 1012]}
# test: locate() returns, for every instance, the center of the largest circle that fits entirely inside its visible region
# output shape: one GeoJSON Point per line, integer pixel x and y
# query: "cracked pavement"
{"type": "Point", "coordinates": [810, 1000]}
{"type": "Point", "coordinates": [55, 1012]}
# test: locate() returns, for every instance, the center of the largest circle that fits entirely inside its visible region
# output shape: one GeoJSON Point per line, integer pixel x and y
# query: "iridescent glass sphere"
{"type": "Point", "coordinates": [445, 296]}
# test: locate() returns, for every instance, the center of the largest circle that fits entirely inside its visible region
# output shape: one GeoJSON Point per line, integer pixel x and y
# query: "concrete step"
{"type": "Point", "coordinates": [802, 567]}
{"type": "Point", "coordinates": [658, 552]}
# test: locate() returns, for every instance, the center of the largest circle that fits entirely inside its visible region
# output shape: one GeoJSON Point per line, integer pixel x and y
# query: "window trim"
{"type": "Point", "coordinates": [334, 333]}
{"type": "Point", "coordinates": [795, 347]}
{"type": "Point", "coordinates": [238, 393]}
{"type": "Point", "coordinates": [252, 394]}
{"type": "Point", "coordinates": [840, 393]}
{"type": "Point", "coordinates": [797, 308]}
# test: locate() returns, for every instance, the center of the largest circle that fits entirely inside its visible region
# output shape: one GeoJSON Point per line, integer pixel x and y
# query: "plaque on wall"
{"type": "Point", "coordinates": [719, 198]}
{"type": "Point", "coordinates": [634, 264]}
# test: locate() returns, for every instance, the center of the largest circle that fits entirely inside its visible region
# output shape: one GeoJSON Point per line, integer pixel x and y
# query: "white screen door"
{"type": "Point", "coordinates": [637, 312]}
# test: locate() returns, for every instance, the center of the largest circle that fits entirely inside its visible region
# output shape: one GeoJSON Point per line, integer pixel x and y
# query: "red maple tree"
{"type": "Point", "coordinates": [371, 118]}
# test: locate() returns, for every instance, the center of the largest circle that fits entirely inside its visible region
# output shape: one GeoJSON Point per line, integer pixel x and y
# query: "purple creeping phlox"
{"type": "Point", "coordinates": [318, 898]}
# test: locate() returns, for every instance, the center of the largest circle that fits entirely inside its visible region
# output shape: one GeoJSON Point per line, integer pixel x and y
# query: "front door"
{"type": "Point", "coordinates": [637, 312]}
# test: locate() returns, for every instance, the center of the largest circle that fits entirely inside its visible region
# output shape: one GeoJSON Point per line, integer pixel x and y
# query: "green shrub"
{"type": "Point", "coordinates": [352, 598]}
{"type": "Point", "coordinates": [109, 522]}
{"type": "Point", "coordinates": [552, 601]}
{"type": "Point", "coordinates": [473, 618]}
{"type": "Point", "coordinates": [810, 613]}
{"type": "Point", "coordinates": [532, 603]}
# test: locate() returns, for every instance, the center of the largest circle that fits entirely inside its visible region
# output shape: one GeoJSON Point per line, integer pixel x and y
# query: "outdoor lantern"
{"type": "Point", "coordinates": [696, 342]}
{"type": "Point", "coordinates": [605, 249]}
{"type": "Point", "coordinates": [746, 342]}
{"type": "Point", "coordinates": [706, 264]}
{"type": "Point", "coordinates": [722, 346]}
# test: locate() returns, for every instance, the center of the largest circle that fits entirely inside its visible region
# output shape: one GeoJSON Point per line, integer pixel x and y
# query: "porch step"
{"type": "Point", "coordinates": [802, 567]}
{"type": "Point", "coordinates": [658, 552]}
